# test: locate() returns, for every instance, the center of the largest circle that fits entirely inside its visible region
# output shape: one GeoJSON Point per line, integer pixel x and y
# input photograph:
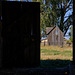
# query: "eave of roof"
{"type": "Point", "coordinates": [51, 30]}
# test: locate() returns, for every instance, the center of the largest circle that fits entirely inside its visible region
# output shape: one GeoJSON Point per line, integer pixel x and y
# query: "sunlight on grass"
{"type": "Point", "coordinates": [54, 56]}
{"type": "Point", "coordinates": [55, 52]}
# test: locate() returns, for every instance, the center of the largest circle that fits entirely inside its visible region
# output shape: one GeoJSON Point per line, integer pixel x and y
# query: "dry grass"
{"type": "Point", "coordinates": [56, 47]}
{"type": "Point", "coordinates": [47, 52]}
{"type": "Point", "coordinates": [46, 57]}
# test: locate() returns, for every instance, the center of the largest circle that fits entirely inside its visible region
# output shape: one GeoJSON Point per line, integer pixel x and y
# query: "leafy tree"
{"type": "Point", "coordinates": [60, 8]}
{"type": "Point", "coordinates": [47, 16]}
{"type": "Point", "coordinates": [71, 34]}
{"type": "Point", "coordinates": [69, 42]}
{"type": "Point", "coordinates": [52, 12]}
{"type": "Point", "coordinates": [64, 7]}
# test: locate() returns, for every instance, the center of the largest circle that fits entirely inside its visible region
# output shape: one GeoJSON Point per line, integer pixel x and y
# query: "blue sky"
{"type": "Point", "coordinates": [68, 13]}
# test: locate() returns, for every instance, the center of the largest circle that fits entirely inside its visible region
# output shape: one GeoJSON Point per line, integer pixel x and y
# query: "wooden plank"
{"type": "Point", "coordinates": [52, 38]}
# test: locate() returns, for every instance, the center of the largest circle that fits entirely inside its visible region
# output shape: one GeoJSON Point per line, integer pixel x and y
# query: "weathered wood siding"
{"type": "Point", "coordinates": [54, 39]}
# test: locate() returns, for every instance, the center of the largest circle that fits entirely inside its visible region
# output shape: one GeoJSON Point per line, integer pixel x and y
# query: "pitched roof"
{"type": "Point", "coordinates": [49, 29]}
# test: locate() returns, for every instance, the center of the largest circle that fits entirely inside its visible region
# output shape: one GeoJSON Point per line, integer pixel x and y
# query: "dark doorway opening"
{"type": "Point", "coordinates": [21, 34]}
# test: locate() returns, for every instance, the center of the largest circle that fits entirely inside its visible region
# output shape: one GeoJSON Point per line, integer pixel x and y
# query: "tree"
{"type": "Point", "coordinates": [69, 42]}
{"type": "Point", "coordinates": [48, 17]}
{"type": "Point", "coordinates": [66, 5]}
{"type": "Point", "coordinates": [71, 34]}
{"type": "Point", "coordinates": [62, 7]}
{"type": "Point", "coordinates": [52, 12]}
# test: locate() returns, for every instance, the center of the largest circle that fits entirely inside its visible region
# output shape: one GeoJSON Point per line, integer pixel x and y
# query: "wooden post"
{"type": "Point", "coordinates": [62, 44]}
{"type": "Point", "coordinates": [44, 43]}
{"type": "Point", "coordinates": [74, 37]}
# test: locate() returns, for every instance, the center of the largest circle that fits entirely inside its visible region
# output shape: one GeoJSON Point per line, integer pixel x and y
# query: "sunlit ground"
{"type": "Point", "coordinates": [56, 56]}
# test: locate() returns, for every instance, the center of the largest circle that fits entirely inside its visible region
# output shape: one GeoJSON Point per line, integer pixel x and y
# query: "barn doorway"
{"type": "Point", "coordinates": [43, 49]}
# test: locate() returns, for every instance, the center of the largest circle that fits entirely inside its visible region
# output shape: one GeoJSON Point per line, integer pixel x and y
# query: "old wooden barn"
{"type": "Point", "coordinates": [55, 36]}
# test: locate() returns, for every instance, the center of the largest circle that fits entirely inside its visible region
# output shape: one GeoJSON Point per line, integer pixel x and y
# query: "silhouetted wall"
{"type": "Point", "coordinates": [21, 34]}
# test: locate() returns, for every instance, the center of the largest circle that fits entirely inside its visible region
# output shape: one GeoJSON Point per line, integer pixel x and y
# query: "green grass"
{"type": "Point", "coordinates": [52, 56]}
{"type": "Point", "coordinates": [56, 52]}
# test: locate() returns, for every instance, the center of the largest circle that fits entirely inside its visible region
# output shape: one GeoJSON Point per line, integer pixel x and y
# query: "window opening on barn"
{"type": "Point", "coordinates": [56, 32]}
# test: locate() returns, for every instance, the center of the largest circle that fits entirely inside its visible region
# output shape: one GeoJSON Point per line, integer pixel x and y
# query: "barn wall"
{"type": "Point", "coordinates": [61, 38]}
{"type": "Point", "coordinates": [52, 38]}
{"type": "Point", "coordinates": [53, 33]}
{"type": "Point", "coordinates": [48, 39]}
{"type": "Point", "coordinates": [58, 37]}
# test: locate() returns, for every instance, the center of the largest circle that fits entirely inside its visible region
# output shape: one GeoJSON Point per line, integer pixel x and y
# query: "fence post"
{"type": "Point", "coordinates": [44, 43]}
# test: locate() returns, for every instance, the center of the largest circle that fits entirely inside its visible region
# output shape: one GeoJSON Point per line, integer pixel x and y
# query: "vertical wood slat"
{"type": "Point", "coordinates": [52, 37]}
{"type": "Point", "coordinates": [53, 40]}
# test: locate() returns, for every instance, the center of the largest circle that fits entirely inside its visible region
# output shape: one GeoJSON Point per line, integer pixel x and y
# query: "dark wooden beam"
{"type": "Point", "coordinates": [74, 36]}
{"type": "Point", "coordinates": [0, 8]}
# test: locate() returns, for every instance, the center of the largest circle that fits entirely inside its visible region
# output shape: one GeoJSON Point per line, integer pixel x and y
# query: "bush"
{"type": "Point", "coordinates": [69, 42]}
{"type": "Point", "coordinates": [71, 39]}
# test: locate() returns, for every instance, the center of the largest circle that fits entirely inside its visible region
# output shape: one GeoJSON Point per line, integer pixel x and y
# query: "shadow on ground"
{"type": "Point", "coordinates": [54, 63]}
{"type": "Point", "coordinates": [47, 67]}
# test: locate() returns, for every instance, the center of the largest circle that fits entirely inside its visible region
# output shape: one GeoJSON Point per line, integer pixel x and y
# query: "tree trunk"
{"type": "Point", "coordinates": [62, 18]}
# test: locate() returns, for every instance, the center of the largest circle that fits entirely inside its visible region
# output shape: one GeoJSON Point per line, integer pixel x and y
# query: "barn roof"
{"type": "Point", "coordinates": [49, 29]}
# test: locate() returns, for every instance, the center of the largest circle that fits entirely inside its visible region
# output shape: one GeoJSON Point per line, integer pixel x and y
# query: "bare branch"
{"type": "Point", "coordinates": [67, 19]}
{"type": "Point", "coordinates": [68, 9]}
{"type": "Point", "coordinates": [66, 28]}
{"type": "Point", "coordinates": [66, 16]}
{"type": "Point", "coordinates": [69, 4]}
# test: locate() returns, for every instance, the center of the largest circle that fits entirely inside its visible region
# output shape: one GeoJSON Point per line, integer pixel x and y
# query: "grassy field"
{"type": "Point", "coordinates": [54, 56]}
